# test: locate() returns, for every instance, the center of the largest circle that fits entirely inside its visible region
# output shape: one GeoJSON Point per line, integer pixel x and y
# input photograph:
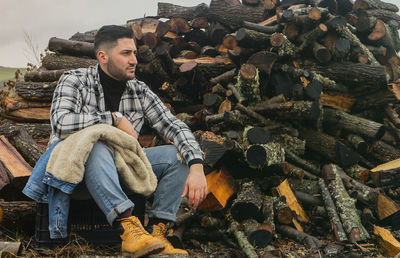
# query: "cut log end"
{"type": "Point", "coordinates": [256, 155]}
{"type": "Point", "coordinates": [257, 135]}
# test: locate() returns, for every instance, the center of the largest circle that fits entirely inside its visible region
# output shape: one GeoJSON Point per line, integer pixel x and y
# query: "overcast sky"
{"type": "Point", "coordinates": [43, 19]}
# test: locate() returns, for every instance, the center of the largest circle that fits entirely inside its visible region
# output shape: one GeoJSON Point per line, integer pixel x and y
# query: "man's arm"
{"type": "Point", "coordinates": [67, 115]}
{"type": "Point", "coordinates": [175, 130]}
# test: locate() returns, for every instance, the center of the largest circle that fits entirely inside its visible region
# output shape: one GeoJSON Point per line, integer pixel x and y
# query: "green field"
{"type": "Point", "coordinates": [7, 73]}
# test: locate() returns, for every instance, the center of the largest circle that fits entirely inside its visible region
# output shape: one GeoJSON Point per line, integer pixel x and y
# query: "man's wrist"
{"type": "Point", "coordinates": [195, 161]}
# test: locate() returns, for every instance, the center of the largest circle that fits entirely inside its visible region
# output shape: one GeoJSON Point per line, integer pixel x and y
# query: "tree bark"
{"type": "Point", "coordinates": [247, 203]}
{"type": "Point", "coordinates": [329, 147]}
{"type": "Point", "coordinates": [36, 91]}
{"type": "Point", "coordinates": [346, 205]}
{"type": "Point", "coordinates": [233, 15]}
{"type": "Point", "coordinates": [57, 62]}
{"type": "Point", "coordinates": [354, 124]}
{"type": "Point", "coordinates": [24, 143]}
{"type": "Point", "coordinates": [356, 74]}
{"type": "Point", "coordinates": [301, 237]}
{"type": "Point", "coordinates": [44, 76]}
{"type": "Point", "coordinates": [71, 47]}
{"type": "Point", "coordinates": [168, 10]}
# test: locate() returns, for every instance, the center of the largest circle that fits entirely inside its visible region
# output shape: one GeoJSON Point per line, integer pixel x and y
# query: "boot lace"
{"type": "Point", "coordinates": [159, 231]}
{"type": "Point", "coordinates": [136, 228]}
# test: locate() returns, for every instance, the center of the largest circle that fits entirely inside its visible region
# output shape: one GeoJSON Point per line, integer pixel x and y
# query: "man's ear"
{"type": "Point", "coordinates": [102, 56]}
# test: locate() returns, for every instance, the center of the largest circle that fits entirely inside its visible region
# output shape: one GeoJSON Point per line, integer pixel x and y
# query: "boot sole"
{"type": "Point", "coordinates": [154, 249]}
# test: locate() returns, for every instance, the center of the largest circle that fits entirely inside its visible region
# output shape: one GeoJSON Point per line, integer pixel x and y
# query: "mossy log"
{"type": "Point", "coordinates": [354, 124]}
{"type": "Point", "coordinates": [363, 193]}
{"type": "Point", "coordinates": [291, 143]}
{"type": "Point", "coordinates": [291, 110]}
{"type": "Point", "coordinates": [283, 47]}
{"type": "Point", "coordinates": [36, 91]}
{"type": "Point", "coordinates": [241, 238]}
{"type": "Point", "coordinates": [332, 213]}
{"type": "Point", "coordinates": [57, 62]}
{"type": "Point", "coordinates": [264, 155]}
{"type": "Point", "coordinates": [248, 202]}
{"type": "Point", "coordinates": [71, 47]}
{"type": "Point", "coordinates": [305, 185]}
{"type": "Point", "coordinates": [344, 203]}
{"type": "Point", "coordinates": [44, 75]}
{"type": "Point", "coordinates": [248, 83]}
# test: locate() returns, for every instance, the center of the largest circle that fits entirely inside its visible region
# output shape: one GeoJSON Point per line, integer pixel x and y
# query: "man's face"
{"type": "Point", "coordinates": [122, 60]}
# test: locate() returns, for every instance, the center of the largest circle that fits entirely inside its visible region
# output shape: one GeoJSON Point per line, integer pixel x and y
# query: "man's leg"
{"type": "Point", "coordinates": [102, 182]}
{"type": "Point", "coordinates": [101, 179]}
{"type": "Point", "coordinates": [171, 174]}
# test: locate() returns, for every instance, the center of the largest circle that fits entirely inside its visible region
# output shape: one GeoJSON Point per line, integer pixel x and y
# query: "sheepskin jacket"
{"type": "Point", "coordinates": [67, 161]}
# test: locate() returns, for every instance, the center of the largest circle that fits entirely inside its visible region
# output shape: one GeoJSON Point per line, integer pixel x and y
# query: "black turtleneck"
{"type": "Point", "coordinates": [112, 89]}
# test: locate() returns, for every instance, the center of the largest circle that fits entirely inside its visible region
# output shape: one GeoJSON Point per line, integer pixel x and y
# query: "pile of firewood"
{"type": "Point", "coordinates": [295, 105]}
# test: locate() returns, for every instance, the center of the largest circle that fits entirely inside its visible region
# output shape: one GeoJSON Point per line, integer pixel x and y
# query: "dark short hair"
{"type": "Point", "coordinates": [109, 34]}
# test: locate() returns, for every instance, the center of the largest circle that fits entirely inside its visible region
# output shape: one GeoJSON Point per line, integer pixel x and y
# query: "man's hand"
{"type": "Point", "coordinates": [126, 126]}
{"type": "Point", "coordinates": [196, 186]}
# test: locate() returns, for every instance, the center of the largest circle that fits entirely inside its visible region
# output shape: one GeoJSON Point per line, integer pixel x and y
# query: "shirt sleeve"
{"type": "Point", "coordinates": [162, 120]}
{"type": "Point", "coordinates": [67, 114]}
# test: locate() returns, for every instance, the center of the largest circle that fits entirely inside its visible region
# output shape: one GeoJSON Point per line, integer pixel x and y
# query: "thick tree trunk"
{"type": "Point", "coordinates": [44, 76]}
{"type": "Point", "coordinates": [36, 91]}
{"type": "Point", "coordinates": [57, 62]}
{"type": "Point", "coordinates": [71, 47]}
{"type": "Point", "coordinates": [168, 10]}
{"type": "Point", "coordinates": [233, 15]}
{"type": "Point", "coordinates": [354, 124]}
{"type": "Point", "coordinates": [356, 74]}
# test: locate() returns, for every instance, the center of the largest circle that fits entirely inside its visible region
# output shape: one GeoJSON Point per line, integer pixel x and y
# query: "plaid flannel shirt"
{"type": "Point", "coordinates": [78, 102]}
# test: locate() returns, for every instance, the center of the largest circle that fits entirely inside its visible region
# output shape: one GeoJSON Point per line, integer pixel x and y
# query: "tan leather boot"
{"type": "Point", "coordinates": [136, 241]}
{"type": "Point", "coordinates": [159, 231]}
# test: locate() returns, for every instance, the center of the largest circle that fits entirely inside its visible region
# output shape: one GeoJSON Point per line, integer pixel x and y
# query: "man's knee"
{"type": "Point", "coordinates": [101, 151]}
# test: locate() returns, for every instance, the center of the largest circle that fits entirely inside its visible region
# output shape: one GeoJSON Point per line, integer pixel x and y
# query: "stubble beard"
{"type": "Point", "coordinates": [118, 73]}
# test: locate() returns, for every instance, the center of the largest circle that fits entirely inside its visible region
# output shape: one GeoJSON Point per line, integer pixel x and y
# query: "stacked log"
{"type": "Point", "coordinates": [274, 90]}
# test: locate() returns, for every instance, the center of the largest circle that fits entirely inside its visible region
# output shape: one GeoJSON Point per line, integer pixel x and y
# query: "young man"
{"type": "Point", "coordinates": [109, 93]}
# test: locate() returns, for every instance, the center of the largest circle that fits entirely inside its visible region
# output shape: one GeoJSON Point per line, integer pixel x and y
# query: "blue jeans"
{"type": "Point", "coordinates": [102, 181]}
